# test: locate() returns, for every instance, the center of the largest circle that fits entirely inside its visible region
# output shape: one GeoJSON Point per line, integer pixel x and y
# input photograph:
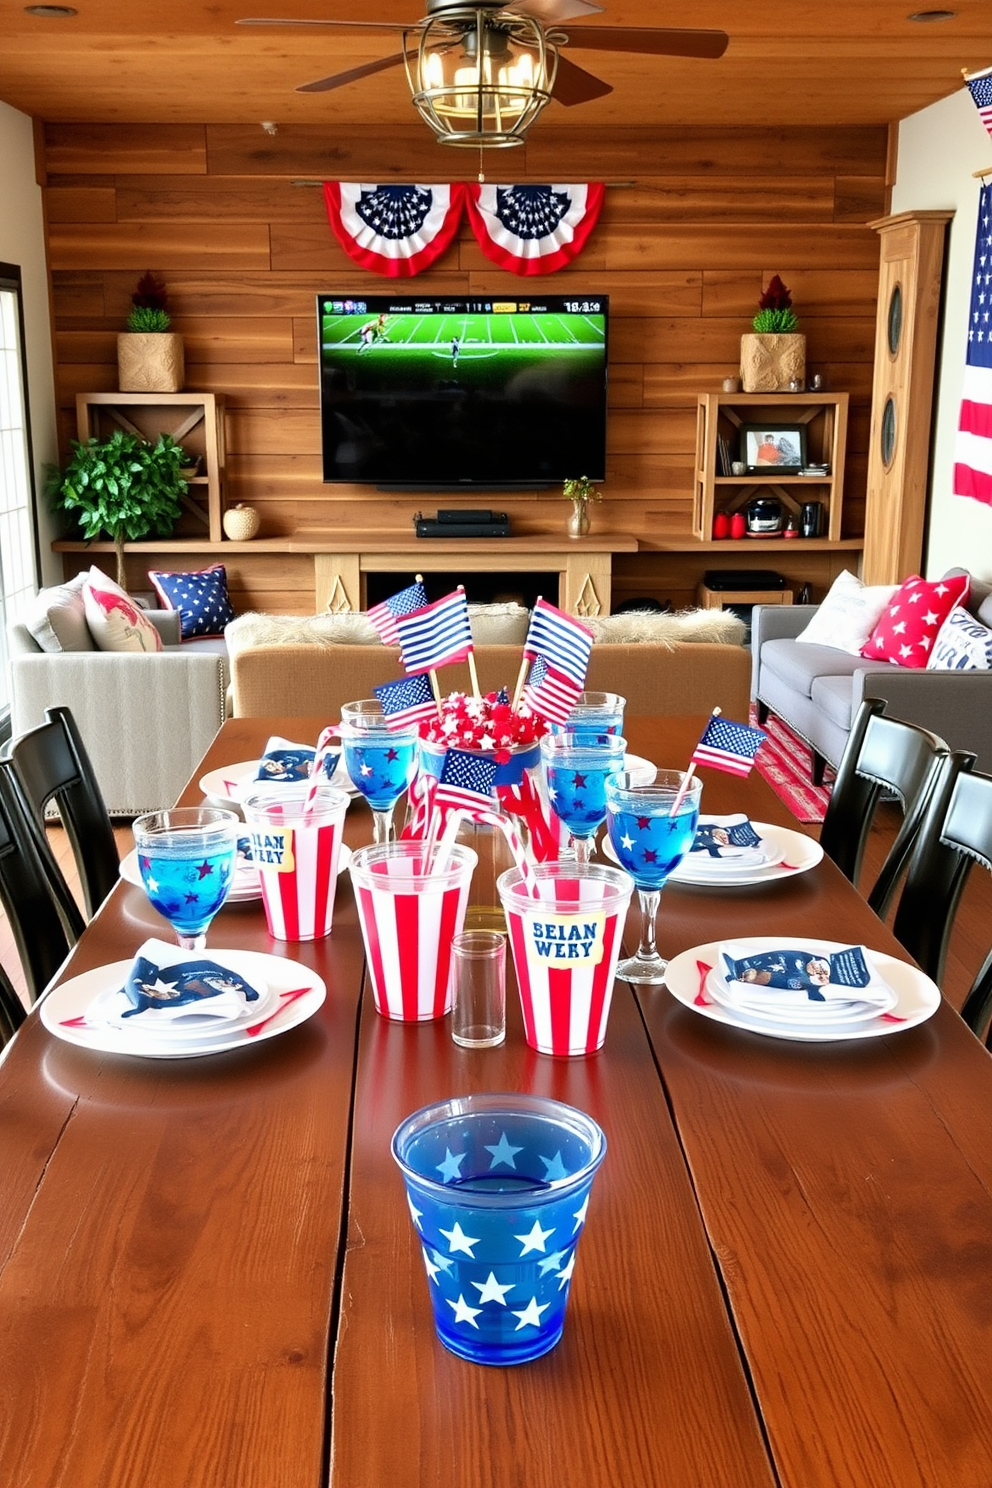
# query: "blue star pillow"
{"type": "Point", "coordinates": [201, 599]}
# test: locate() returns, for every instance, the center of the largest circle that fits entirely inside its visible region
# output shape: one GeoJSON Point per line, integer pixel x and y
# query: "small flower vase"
{"type": "Point", "coordinates": [578, 522]}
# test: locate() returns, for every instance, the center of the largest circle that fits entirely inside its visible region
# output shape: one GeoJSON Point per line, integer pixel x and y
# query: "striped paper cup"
{"type": "Point", "coordinates": [296, 854]}
{"type": "Point", "coordinates": [408, 920]}
{"type": "Point", "coordinates": [565, 943]}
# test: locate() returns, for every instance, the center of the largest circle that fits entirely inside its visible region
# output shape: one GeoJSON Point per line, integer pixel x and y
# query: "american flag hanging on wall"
{"type": "Point", "coordinates": [534, 229]}
{"type": "Point", "coordinates": [980, 88]}
{"type": "Point", "coordinates": [973, 450]}
{"type": "Point", "coordinates": [394, 230]}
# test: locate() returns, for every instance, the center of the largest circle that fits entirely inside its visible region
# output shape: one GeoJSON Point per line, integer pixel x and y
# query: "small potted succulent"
{"type": "Point", "coordinates": [149, 353]}
{"type": "Point", "coordinates": [773, 355]}
{"type": "Point", "coordinates": [579, 491]}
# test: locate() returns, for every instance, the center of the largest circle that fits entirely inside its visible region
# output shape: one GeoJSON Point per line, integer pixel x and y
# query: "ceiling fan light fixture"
{"type": "Point", "coordinates": [480, 76]}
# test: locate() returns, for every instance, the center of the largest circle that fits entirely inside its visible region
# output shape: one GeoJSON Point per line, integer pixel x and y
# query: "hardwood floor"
{"type": "Point", "coordinates": [970, 938]}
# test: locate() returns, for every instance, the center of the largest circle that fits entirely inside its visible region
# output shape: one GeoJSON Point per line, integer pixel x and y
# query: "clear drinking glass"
{"type": "Point", "coordinates": [186, 858]}
{"type": "Point", "coordinates": [596, 713]}
{"type": "Point", "coordinates": [576, 766]}
{"type": "Point", "coordinates": [478, 989]}
{"type": "Point", "coordinates": [380, 760]}
{"type": "Point", "coordinates": [651, 827]}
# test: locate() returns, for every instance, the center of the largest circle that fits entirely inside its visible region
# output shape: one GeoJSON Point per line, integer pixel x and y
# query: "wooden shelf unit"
{"type": "Point", "coordinates": [722, 415]}
{"type": "Point", "coordinates": [195, 420]}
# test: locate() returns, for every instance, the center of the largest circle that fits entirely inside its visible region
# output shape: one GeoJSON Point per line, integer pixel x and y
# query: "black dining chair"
{"type": "Point", "coordinates": [883, 757]}
{"type": "Point", "coordinates": [956, 834]}
{"type": "Point", "coordinates": [51, 767]}
{"type": "Point", "coordinates": [42, 937]}
{"type": "Point", "coordinates": [12, 1012]}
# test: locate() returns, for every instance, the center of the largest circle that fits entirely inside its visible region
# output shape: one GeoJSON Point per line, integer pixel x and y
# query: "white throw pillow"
{"type": "Point", "coordinates": [848, 614]}
{"type": "Point", "coordinates": [56, 617]}
{"type": "Point", "coordinates": [963, 644]}
{"type": "Point", "coordinates": [115, 621]}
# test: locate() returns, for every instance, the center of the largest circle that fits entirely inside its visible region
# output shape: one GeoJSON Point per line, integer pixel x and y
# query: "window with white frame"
{"type": "Point", "coordinates": [18, 535]}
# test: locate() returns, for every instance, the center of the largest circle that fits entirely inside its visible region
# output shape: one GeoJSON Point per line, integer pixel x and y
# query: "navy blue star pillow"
{"type": "Point", "coordinates": [201, 599]}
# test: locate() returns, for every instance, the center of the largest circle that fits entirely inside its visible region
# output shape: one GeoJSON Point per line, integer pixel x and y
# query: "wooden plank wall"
{"type": "Point", "coordinates": [697, 221]}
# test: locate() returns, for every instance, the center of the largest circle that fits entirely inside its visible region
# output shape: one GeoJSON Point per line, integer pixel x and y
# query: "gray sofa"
{"type": "Point", "coordinates": [817, 690]}
{"type": "Point", "coordinates": [146, 718]}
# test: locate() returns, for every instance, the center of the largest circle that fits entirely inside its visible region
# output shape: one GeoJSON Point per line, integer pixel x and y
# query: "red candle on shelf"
{"type": "Point", "coordinates": [721, 525]}
{"type": "Point", "coordinates": [738, 525]}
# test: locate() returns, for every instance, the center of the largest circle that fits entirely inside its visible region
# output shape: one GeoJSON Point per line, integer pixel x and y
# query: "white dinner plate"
{"type": "Point", "coordinates": [795, 853]}
{"type": "Point", "coordinates": [917, 997]}
{"type": "Point", "coordinates": [246, 885]}
{"type": "Point", "coordinates": [74, 998]}
{"type": "Point", "coordinates": [228, 786]}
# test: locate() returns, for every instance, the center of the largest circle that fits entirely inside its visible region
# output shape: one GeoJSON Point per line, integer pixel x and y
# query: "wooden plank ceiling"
{"type": "Point", "coordinates": [854, 62]}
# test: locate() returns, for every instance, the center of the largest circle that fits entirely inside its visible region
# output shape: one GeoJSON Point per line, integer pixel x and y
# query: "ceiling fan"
{"type": "Point", "coordinates": [480, 71]}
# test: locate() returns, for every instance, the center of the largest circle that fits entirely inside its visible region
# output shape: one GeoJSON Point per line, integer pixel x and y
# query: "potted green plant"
{"type": "Point", "coordinates": [123, 486]}
{"type": "Point", "coordinates": [150, 354]}
{"type": "Point", "coordinates": [579, 491]}
{"type": "Point", "coordinates": [773, 355]}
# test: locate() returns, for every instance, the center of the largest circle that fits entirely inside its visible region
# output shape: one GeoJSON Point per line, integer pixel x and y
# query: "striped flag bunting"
{"type": "Point", "coordinates": [980, 88]}
{"type": "Point", "coordinates": [408, 701]}
{"type": "Point", "coordinates": [437, 634]}
{"type": "Point", "coordinates": [563, 641]}
{"type": "Point", "coordinates": [549, 693]}
{"type": "Point", "coordinates": [384, 616]}
{"type": "Point", "coordinates": [729, 746]}
{"type": "Point", "coordinates": [466, 781]}
{"type": "Point", "coordinates": [973, 449]}
{"type": "Point", "coordinates": [393, 229]}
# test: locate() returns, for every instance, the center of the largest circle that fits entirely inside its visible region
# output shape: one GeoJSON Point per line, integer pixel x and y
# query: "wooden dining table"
{"type": "Point", "coordinates": [209, 1278]}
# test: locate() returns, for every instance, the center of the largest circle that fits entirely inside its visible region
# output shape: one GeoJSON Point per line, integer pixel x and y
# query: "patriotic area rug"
{"type": "Point", "coordinates": [783, 761]}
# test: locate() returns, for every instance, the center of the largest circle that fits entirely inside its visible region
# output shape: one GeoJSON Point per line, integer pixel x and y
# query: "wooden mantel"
{"type": "Point", "coordinates": [339, 561]}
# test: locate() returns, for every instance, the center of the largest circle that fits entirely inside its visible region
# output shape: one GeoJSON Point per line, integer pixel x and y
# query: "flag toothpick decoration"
{"type": "Point", "coordinates": [408, 701]}
{"type": "Point", "coordinates": [973, 448]}
{"type": "Point", "coordinates": [549, 692]}
{"type": "Point", "coordinates": [384, 616]}
{"type": "Point", "coordinates": [560, 639]}
{"type": "Point", "coordinates": [394, 230]}
{"type": "Point", "coordinates": [466, 781]}
{"type": "Point", "coordinates": [729, 746]}
{"type": "Point", "coordinates": [533, 229]}
{"type": "Point", "coordinates": [436, 635]}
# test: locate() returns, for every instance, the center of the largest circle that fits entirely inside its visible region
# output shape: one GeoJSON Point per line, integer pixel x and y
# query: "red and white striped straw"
{"type": "Point", "coordinates": [487, 819]}
{"type": "Point", "coordinates": [327, 737]}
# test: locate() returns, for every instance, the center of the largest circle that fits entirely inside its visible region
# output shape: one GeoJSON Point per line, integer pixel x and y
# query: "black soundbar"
{"type": "Point", "coordinates": [428, 527]}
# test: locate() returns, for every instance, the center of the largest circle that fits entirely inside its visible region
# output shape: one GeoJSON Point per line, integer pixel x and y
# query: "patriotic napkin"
{"type": "Point", "coordinates": [820, 983]}
{"type": "Point", "coordinates": [286, 763]}
{"type": "Point", "coordinates": [727, 841]}
{"type": "Point", "coordinates": [164, 983]}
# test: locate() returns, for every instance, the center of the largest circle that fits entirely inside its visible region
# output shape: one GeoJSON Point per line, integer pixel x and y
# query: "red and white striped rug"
{"type": "Point", "coordinates": [784, 762]}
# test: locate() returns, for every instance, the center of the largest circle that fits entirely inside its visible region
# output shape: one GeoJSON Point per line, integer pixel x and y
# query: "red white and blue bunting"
{"type": "Point", "coordinates": [394, 230]}
{"type": "Point", "coordinates": [534, 229]}
{"type": "Point", "coordinates": [401, 230]}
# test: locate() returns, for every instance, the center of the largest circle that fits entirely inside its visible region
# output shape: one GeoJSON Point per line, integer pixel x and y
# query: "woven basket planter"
{"type": "Point", "coordinates": [769, 363]}
{"type": "Point", "coordinates": [150, 362]}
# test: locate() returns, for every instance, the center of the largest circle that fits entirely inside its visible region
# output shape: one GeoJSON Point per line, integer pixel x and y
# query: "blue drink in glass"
{"type": "Point", "coordinates": [186, 858]}
{"type": "Point", "coordinates": [380, 760]}
{"type": "Point", "coordinates": [651, 827]}
{"type": "Point", "coordinates": [576, 768]}
{"type": "Point", "coordinates": [596, 713]}
{"type": "Point", "coordinates": [498, 1190]}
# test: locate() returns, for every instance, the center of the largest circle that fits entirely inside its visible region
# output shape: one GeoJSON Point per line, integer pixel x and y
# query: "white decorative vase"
{"type": "Point", "coordinates": [241, 522]}
{"type": "Point", "coordinates": [150, 362]}
{"type": "Point", "coordinates": [770, 362]}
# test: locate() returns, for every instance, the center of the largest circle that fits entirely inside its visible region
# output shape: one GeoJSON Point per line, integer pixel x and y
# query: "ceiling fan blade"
{"type": "Point", "coordinates": [339, 79]}
{"type": "Point", "coordinates": [550, 11]}
{"type": "Point", "coordinates": [658, 41]}
{"type": "Point", "coordinates": [575, 85]}
{"type": "Point", "coordinates": [357, 25]}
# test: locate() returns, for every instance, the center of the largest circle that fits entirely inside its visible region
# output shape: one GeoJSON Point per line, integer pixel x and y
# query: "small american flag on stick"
{"type": "Point", "coordinates": [406, 702]}
{"type": "Point", "coordinates": [729, 746]}
{"type": "Point", "coordinates": [437, 634]}
{"type": "Point", "coordinates": [561, 639]}
{"type": "Point", "coordinates": [466, 781]}
{"type": "Point", "coordinates": [549, 693]}
{"type": "Point", "coordinates": [384, 616]}
{"type": "Point", "coordinates": [980, 88]}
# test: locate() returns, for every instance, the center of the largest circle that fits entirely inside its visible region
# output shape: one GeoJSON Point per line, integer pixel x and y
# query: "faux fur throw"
{"type": "Point", "coordinates": [354, 629]}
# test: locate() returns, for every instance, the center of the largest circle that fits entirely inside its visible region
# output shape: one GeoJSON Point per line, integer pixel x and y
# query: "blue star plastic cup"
{"type": "Point", "coordinates": [498, 1188]}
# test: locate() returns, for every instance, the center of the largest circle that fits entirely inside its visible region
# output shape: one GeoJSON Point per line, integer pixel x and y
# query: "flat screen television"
{"type": "Point", "coordinates": [420, 393]}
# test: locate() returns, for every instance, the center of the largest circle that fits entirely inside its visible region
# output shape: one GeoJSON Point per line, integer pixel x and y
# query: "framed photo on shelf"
{"type": "Point", "coordinates": [773, 446]}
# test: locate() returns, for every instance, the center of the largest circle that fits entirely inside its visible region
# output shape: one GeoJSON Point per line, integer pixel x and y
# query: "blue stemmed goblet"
{"type": "Point", "coordinates": [651, 827]}
{"type": "Point", "coordinates": [576, 767]}
{"type": "Point", "coordinates": [186, 858]}
{"type": "Point", "coordinates": [380, 760]}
